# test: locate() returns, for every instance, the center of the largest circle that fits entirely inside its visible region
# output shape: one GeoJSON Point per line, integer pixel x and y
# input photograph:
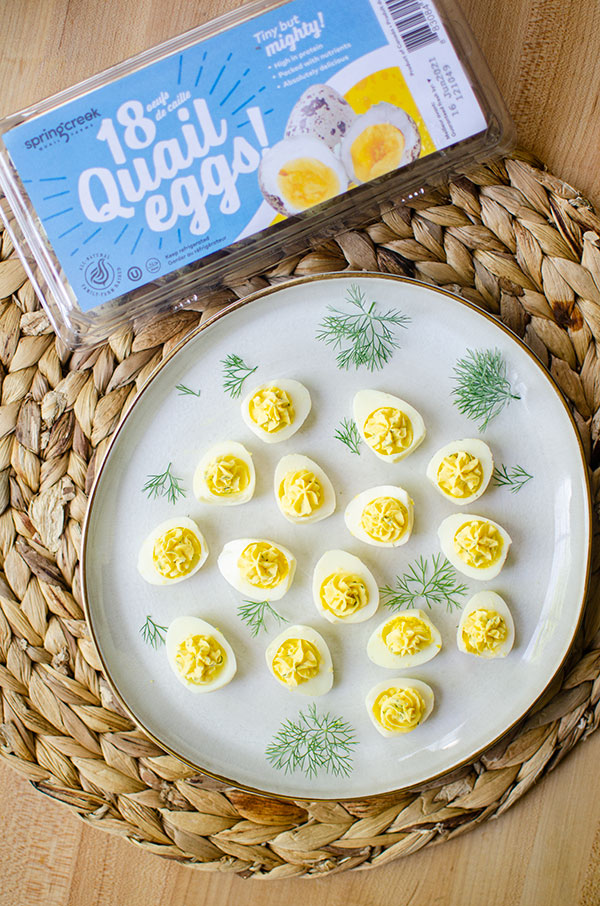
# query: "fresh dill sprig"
{"type": "Point", "coordinates": [235, 372]}
{"type": "Point", "coordinates": [437, 585]}
{"type": "Point", "coordinates": [347, 432]}
{"type": "Point", "coordinates": [364, 335]}
{"type": "Point", "coordinates": [187, 391]}
{"type": "Point", "coordinates": [254, 616]}
{"type": "Point", "coordinates": [482, 389]}
{"type": "Point", "coordinates": [513, 477]}
{"type": "Point", "coordinates": [312, 743]}
{"type": "Point", "coordinates": [164, 485]}
{"type": "Point", "coordinates": [152, 632]}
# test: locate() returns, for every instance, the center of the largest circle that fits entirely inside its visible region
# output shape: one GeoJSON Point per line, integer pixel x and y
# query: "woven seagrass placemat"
{"type": "Point", "coordinates": [509, 237]}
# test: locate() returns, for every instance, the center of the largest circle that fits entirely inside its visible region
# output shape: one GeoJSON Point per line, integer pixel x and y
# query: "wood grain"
{"type": "Point", "coordinates": [545, 55]}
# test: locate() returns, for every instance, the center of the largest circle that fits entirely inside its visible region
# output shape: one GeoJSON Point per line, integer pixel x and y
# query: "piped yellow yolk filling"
{"type": "Point", "coordinates": [484, 630]}
{"type": "Point", "coordinates": [227, 476]}
{"type": "Point", "coordinates": [377, 150]}
{"type": "Point", "coordinates": [399, 710]}
{"type": "Point", "coordinates": [296, 661]}
{"type": "Point", "coordinates": [343, 594]}
{"type": "Point", "coordinates": [388, 431]}
{"type": "Point", "coordinates": [460, 474]}
{"type": "Point", "coordinates": [406, 635]}
{"type": "Point", "coordinates": [271, 409]}
{"type": "Point", "coordinates": [306, 181]}
{"type": "Point", "coordinates": [176, 553]}
{"type": "Point", "coordinates": [300, 493]}
{"type": "Point", "coordinates": [385, 519]}
{"type": "Point", "coordinates": [200, 659]}
{"type": "Point", "coordinates": [478, 544]}
{"type": "Point", "coordinates": [263, 565]}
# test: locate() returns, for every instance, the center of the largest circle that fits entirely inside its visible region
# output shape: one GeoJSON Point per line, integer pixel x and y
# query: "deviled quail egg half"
{"type": "Point", "coordinates": [259, 569]}
{"type": "Point", "coordinates": [404, 640]}
{"type": "Point", "coordinates": [225, 475]}
{"type": "Point", "coordinates": [381, 516]}
{"type": "Point", "coordinates": [378, 141]}
{"type": "Point", "coordinates": [399, 705]}
{"type": "Point", "coordinates": [474, 545]}
{"type": "Point", "coordinates": [390, 427]}
{"type": "Point", "coordinates": [461, 470]}
{"type": "Point", "coordinates": [276, 410]}
{"type": "Point", "coordinates": [344, 589]}
{"type": "Point", "coordinates": [299, 173]}
{"type": "Point", "coordinates": [486, 628]}
{"type": "Point", "coordinates": [300, 660]}
{"type": "Point", "coordinates": [200, 655]}
{"type": "Point", "coordinates": [303, 491]}
{"type": "Point", "coordinates": [172, 552]}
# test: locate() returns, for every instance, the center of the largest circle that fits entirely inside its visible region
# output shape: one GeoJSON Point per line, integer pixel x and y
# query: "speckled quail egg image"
{"type": "Point", "coordinates": [344, 589]}
{"type": "Point", "coordinates": [172, 552]}
{"type": "Point", "coordinates": [299, 660]}
{"type": "Point", "coordinates": [381, 516]}
{"type": "Point", "coordinates": [200, 656]}
{"type": "Point", "coordinates": [474, 545]}
{"type": "Point", "coordinates": [486, 628]}
{"type": "Point", "coordinates": [378, 141]}
{"type": "Point", "coordinates": [299, 173]}
{"type": "Point", "coordinates": [225, 475]}
{"type": "Point", "coordinates": [391, 428]}
{"type": "Point", "coordinates": [404, 640]}
{"type": "Point", "coordinates": [399, 705]}
{"type": "Point", "coordinates": [303, 491]}
{"type": "Point", "coordinates": [276, 410]}
{"type": "Point", "coordinates": [322, 113]}
{"type": "Point", "coordinates": [461, 470]}
{"type": "Point", "coordinates": [259, 569]}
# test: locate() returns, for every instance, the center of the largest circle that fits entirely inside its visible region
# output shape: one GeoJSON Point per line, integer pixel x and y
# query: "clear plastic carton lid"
{"type": "Point", "coordinates": [212, 156]}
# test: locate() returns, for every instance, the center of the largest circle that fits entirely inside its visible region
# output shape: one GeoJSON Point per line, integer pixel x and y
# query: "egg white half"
{"type": "Point", "coordinates": [399, 682]}
{"type": "Point", "coordinates": [354, 511]}
{"type": "Point", "coordinates": [301, 403]}
{"type": "Point", "coordinates": [380, 654]}
{"type": "Point", "coordinates": [228, 566]}
{"type": "Point", "coordinates": [472, 446]}
{"type": "Point", "coordinates": [296, 462]}
{"type": "Point", "coordinates": [183, 627]}
{"type": "Point", "coordinates": [202, 490]}
{"type": "Point", "coordinates": [368, 401]}
{"type": "Point", "coordinates": [487, 600]}
{"type": "Point", "coordinates": [338, 562]}
{"type": "Point", "coordinates": [317, 685]}
{"type": "Point", "coordinates": [448, 529]}
{"type": "Point", "coordinates": [145, 564]}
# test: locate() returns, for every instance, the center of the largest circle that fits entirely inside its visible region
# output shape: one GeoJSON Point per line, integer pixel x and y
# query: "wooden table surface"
{"type": "Point", "coordinates": [545, 55]}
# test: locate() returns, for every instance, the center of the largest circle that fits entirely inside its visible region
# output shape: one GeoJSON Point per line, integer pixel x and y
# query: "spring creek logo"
{"type": "Point", "coordinates": [100, 276]}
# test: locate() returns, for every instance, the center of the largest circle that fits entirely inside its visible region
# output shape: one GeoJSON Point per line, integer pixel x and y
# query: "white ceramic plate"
{"type": "Point", "coordinates": [227, 733]}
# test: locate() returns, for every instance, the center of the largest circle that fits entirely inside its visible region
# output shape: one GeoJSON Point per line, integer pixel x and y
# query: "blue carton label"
{"type": "Point", "coordinates": [216, 142]}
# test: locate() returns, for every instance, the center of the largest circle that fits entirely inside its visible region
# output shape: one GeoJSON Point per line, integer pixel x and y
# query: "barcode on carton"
{"type": "Point", "coordinates": [411, 23]}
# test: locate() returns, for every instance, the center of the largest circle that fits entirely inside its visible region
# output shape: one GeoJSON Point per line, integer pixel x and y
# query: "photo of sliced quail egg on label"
{"type": "Point", "coordinates": [299, 173]}
{"type": "Point", "coordinates": [399, 705]}
{"type": "Point", "coordinates": [391, 428]}
{"type": "Point", "coordinates": [303, 492]}
{"type": "Point", "coordinates": [382, 516]}
{"type": "Point", "coordinates": [300, 661]}
{"type": "Point", "coordinates": [199, 655]}
{"type": "Point", "coordinates": [344, 589]}
{"type": "Point", "coordinates": [378, 141]}
{"type": "Point", "coordinates": [260, 569]}
{"type": "Point", "coordinates": [461, 470]}
{"type": "Point", "coordinates": [404, 640]}
{"type": "Point", "coordinates": [225, 475]}
{"type": "Point", "coordinates": [172, 552]}
{"type": "Point", "coordinates": [486, 628]}
{"type": "Point", "coordinates": [475, 546]}
{"type": "Point", "coordinates": [276, 410]}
